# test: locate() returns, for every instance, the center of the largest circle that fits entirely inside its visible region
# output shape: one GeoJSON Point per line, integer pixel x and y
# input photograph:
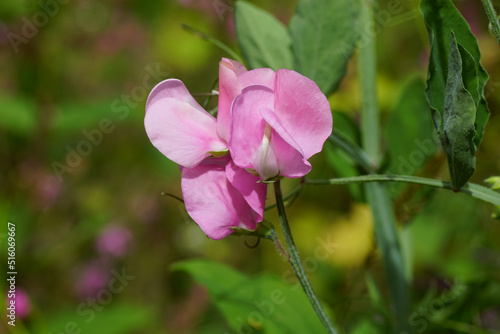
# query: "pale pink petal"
{"type": "Point", "coordinates": [247, 130]}
{"type": "Point", "coordinates": [229, 88]}
{"type": "Point", "coordinates": [303, 110]}
{"type": "Point", "coordinates": [249, 186]}
{"type": "Point", "coordinates": [290, 160]}
{"type": "Point", "coordinates": [260, 76]}
{"type": "Point", "coordinates": [213, 202]}
{"type": "Point", "coordinates": [237, 67]}
{"type": "Point", "coordinates": [264, 158]}
{"type": "Point", "coordinates": [181, 132]}
{"type": "Point", "coordinates": [173, 88]}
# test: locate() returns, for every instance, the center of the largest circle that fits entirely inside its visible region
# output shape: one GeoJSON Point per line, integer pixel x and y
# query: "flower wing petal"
{"type": "Point", "coordinates": [290, 160]}
{"type": "Point", "coordinates": [213, 202]}
{"type": "Point", "coordinates": [172, 88]}
{"type": "Point", "coordinates": [178, 127]}
{"type": "Point", "coordinates": [248, 126]}
{"type": "Point", "coordinates": [247, 184]}
{"type": "Point", "coordinates": [303, 110]}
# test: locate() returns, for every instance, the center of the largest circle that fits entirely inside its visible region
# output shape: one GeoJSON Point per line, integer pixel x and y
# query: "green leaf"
{"type": "Point", "coordinates": [323, 38]}
{"type": "Point", "coordinates": [457, 136]}
{"type": "Point", "coordinates": [17, 115]}
{"type": "Point", "coordinates": [113, 319]}
{"type": "Point", "coordinates": [441, 18]}
{"type": "Point", "coordinates": [388, 240]}
{"type": "Point", "coordinates": [410, 138]}
{"type": "Point", "coordinates": [342, 163]}
{"type": "Point", "coordinates": [254, 304]}
{"type": "Point", "coordinates": [264, 41]}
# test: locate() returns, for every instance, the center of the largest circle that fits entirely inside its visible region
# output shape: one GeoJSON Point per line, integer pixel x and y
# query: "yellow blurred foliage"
{"type": "Point", "coordinates": [345, 241]}
{"type": "Point", "coordinates": [352, 236]}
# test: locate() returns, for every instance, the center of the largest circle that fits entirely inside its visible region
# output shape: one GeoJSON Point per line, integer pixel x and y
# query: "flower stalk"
{"type": "Point", "coordinates": [474, 190]}
{"type": "Point", "coordinates": [492, 16]}
{"type": "Point", "coordinates": [296, 263]}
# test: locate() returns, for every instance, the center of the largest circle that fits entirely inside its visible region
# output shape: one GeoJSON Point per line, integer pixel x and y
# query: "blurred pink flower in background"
{"type": "Point", "coordinates": [22, 303]}
{"type": "Point", "coordinates": [114, 241]}
{"type": "Point", "coordinates": [49, 187]}
{"type": "Point", "coordinates": [92, 278]}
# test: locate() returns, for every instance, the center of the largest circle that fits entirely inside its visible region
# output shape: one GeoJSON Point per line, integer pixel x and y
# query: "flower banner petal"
{"type": "Point", "coordinates": [229, 88]}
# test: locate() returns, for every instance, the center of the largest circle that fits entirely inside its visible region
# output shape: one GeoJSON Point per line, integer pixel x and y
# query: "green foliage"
{"type": "Point", "coordinates": [323, 38]}
{"type": "Point", "coordinates": [75, 116]}
{"type": "Point", "coordinates": [443, 19]}
{"type": "Point", "coordinates": [410, 139]}
{"type": "Point", "coordinates": [341, 162]}
{"type": "Point", "coordinates": [263, 40]}
{"type": "Point", "coordinates": [111, 320]}
{"type": "Point", "coordinates": [17, 115]}
{"type": "Point", "coordinates": [388, 239]}
{"type": "Point", "coordinates": [494, 182]}
{"type": "Point", "coordinates": [261, 304]}
{"type": "Point", "coordinates": [457, 132]}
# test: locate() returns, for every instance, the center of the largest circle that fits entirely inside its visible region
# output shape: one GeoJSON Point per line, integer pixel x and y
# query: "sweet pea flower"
{"type": "Point", "coordinates": [218, 195]}
{"type": "Point", "coordinates": [273, 121]}
{"type": "Point", "coordinates": [268, 124]}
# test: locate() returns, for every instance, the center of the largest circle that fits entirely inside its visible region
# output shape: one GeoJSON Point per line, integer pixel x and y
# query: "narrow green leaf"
{"type": "Point", "coordinates": [388, 240]}
{"type": "Point", "coordinates": [212, 40]}
{"type": "Point", "coordinates": [323, 38]}
{"type": "Point", "coordinates": [458, 131]}
{"type": "Point", "coordinates": [441, 18]}
{"type": "Point", "coordinates": [264, 41]}
{"type": "Point", "coordinates": [254, 304]}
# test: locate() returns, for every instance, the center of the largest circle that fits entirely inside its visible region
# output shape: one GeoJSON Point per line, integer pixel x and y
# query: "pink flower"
{"type": "Point", "coordinates": [21, 301]}
{"type": "Point", "coordinates": [278, 120]}
{"type": "Point", "coordinates": [218, 195]}
{"type": "Point", "coordinates": [115, 241]}
{"type": "Point", "coordinates": [92, 278]}
{"type": "Point", "coordinates": [268, 124]}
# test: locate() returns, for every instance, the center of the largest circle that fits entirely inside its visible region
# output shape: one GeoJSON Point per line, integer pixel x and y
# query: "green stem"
{"type": "Point", "coordinates": [367, 64]}
{"type": "Point", "coordinates": [492, 16]}
{"type": "Point", "coordinates": [474, 190]}
{"type": "Point", "coordinates": [385, 225]}
{"type": "Point", "coordinates": [354, 152]}
{"type": "Point", "coordinates": [212, 40]}
{"type": "Point", "coordinates": [288, 199]}
{"type": "Point", "coordinates": [297, 264]}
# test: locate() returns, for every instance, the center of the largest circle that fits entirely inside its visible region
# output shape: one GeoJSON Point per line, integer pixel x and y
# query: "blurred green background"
{"type": "Point", "coordinates": [82, 183]}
